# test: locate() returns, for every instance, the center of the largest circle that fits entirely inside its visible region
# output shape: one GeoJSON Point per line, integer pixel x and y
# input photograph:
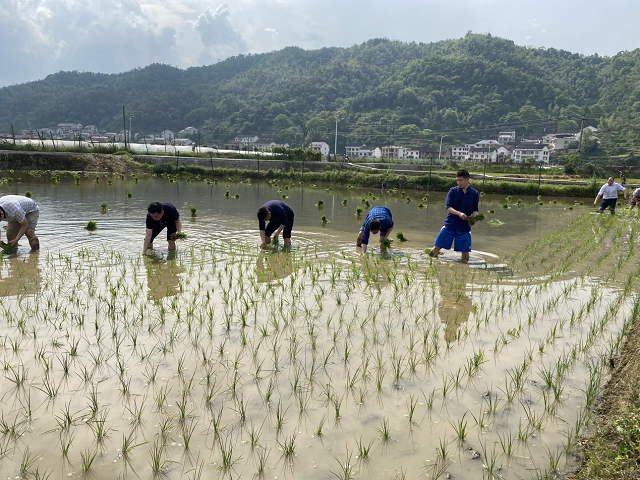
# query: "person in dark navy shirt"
{"type": "Point", "coordinates": [462, 202]}
{"type": "Point", "coordinates": [378, 220]}
{"type": "Point", "coordinates": [159, 217]}
{"type": "Point", "coordinates": [280, 218]}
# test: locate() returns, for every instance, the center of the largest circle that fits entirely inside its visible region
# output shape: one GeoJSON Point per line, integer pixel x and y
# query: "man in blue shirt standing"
{"type": "Point", "coordinates": [462, 202]}
{"type": "Point", "coordinates": [280, 218]}
{"type": "Point", "coordinates": [378, 220]}
{"type": "Point", "coordinates": [159, 217]}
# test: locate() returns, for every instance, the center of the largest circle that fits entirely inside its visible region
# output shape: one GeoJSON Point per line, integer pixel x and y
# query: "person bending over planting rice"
{"type": "Point", "coordinates": [159, 217]}
{"type": "Point", "coordinates": [22, 215]}
{"type": "Point", "coordinates": [280, 218]}
{"type": "Point", "coordinates": [378, 221]}
{"type": "Point", "coordinates": [462, 203]}
{"type": "Point", "coordinates": [609, 195]}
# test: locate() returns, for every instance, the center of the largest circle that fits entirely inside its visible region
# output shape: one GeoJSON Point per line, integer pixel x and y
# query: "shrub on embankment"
{"type": "Point", "coordinates": [384, 180]}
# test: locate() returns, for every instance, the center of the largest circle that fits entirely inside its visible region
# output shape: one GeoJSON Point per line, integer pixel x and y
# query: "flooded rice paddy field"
{"type": "Point", "coordinates": [228, 361]}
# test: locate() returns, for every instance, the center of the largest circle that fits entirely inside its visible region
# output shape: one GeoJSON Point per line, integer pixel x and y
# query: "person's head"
{"type": "Point", "coordinates": [462, 178]}
{"type": "Point", "coordinates": [3, 215]}
{"type": "Point", "coordinates": [610, 180]}
{"type": "Point", "coordinates": [264, 214]}
{"type": "Point", "coordinates": [374, 226]}
{"type": "Point", "coordinates": [155, 210]}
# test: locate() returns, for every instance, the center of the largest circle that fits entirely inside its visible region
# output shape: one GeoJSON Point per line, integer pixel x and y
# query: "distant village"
{"type": "Point", "coordinates": [507, 147]}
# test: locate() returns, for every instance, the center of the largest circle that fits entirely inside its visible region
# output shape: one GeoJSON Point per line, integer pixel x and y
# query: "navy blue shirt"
{"type": "Point", "coordinates": [169, 217]}
{"type": "Point", "coordinates": [383, 214]}
{"type": "Point", "coordinates": [466, 203]}
{"type": "Point", "coordinates": [281, 214]}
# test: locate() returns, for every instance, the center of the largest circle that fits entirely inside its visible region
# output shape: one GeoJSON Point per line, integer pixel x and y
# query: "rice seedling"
{"type": "Point", "coordinates": [91, 226]}
{"type": "Point", "coordinates": [358, 211]}
{"type": "Point", "coordinates": [193, 211]}
{"type": "Point", "coordinates": [401, 237]}
{"type": "Point", "coordinates": [384, 430]}
{"type": "Point", "coordinates": [104, 207]}
{"type": "Point", "coordinates": [347, 470]}
{"type": "Point", "coordinates": [86, 458]}
{"type": "Point", "coordinates": [320, 204]}
{"type": "Point", "coordinates": [324, 220]}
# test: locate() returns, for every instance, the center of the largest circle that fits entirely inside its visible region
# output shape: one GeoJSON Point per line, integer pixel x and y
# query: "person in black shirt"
{"type": "Point", "coordinates": [159, 216]}
{"type": "Point", "coordinates": [280, 218]}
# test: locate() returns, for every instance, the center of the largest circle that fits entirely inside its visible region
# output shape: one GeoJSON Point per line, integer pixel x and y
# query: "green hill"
{"type": "Point", "coordinates": [385, 91]}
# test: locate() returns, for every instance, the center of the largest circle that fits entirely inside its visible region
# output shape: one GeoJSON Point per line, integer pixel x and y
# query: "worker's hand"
{"type": "Point", "coordinates": [594, 202]}
{"type": "Point", "coordinates": [462, 216]}
{"type": "Point", "coordinates": [173, 237]}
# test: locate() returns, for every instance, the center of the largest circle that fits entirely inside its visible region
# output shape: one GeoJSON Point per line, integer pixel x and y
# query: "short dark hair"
{"type": "Point", "coordinates": [155, 207]}
{"type": "Point", "coordinates": [462, 173]}
{"type": "Point", "coordinates": [263, 213]}
{"type": "Point", "coordinates": [374, 225]}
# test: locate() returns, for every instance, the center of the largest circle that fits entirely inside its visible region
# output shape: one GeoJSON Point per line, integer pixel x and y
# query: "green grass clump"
{"type": "Point", "coordinates": [401, 237]}
{"type": "Point", "coordinates": [358, 211]}
{"type": "Point", "coordinates": [344, 202]}
{"type": "Point", "coordinates": [504, 205]}
{"type": "Point", "coordinates": [181, 236]}
{"type": "Point", "coordinates": [104, 207]}
{"type": "Point", "coordinates": [236, 196]}
{"type": "Point", "coordinates": [495, 222]}
{"type": "Point", "coordinates": [492, 211]}
{"type": "Point", "coordinates": [91, 226]}
{"type": "Point", "coordinates": [28, 194]}
{"type": "Point", "coordinates": [324, 220]}
{"type": "Point", "coordinates": [227, 193]}
{"type": "Point", "coordinates": [421, 205]}
{"type": "Point", "coordinates": [386, 243]}
{"type": "Point", "coordinates": [7, 248]}
{"type": "Point", "coordinates": [320, 204]}
{"type": "Point", "coordinates": [129, 195]}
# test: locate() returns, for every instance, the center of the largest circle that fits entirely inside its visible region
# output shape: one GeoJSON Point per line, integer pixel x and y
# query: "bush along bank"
{"type": "Point", "coordinates": [384, 180]}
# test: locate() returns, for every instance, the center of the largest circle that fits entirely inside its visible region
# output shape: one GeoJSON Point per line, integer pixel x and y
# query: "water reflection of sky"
{"type": "Point", "coordinates": [66, 208]}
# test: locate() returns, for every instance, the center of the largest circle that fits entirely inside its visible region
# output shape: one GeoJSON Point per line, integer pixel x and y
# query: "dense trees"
{"type": "Point", "coordinates": [386, 91]}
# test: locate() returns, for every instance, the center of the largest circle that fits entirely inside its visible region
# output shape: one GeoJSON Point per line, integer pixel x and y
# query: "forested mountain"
{"type": "Point", "coordinates": [384, 91]}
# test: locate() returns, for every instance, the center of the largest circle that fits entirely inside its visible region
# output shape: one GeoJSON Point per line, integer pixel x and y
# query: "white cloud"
{"type": "Point", "coordinates": [38, 37]}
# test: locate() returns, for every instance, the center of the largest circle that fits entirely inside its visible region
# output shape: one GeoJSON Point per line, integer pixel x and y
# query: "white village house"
{"type": "Point", "coordinates": [531, 152]}
{"type": "Point", "coordinates": [321, 147]}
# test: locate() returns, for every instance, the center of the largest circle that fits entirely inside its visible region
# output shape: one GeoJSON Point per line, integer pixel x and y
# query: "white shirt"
{"type": "Point", "coordinates": [610, 191]}
{"type": "Point", "coordinates": [636, 192]}
{"type": "Point", "coordinates": [16, 207]}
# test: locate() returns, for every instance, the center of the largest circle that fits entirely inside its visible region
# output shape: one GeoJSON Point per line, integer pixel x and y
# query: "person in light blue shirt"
{"type": "Point", "coordinates": [378, 220]}
{"type": "Point", "coordinates": [462, 202]}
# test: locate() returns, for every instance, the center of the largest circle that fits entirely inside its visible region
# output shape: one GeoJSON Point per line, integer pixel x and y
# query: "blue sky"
{"type": "Point", "coordinates": [40, 37]}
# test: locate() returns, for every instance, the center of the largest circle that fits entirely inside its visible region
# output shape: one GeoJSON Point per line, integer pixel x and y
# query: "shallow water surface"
{"type": "Point", "coordinates": [225, 360]}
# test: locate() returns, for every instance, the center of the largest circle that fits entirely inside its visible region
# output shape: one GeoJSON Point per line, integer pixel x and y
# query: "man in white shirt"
{"type": "Point", "coordinates": [22, 214]}
{"type": "Point", "coordinates": [609, 194]}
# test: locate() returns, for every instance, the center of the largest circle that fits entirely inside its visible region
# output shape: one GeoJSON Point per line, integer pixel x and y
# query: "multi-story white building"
{"type": "Point", "coordinates": [246, 139]}
{"type": "Point", "coordinates": [506, 138]}
{"type": "Point", "coordinates": [321, 147]}
{"type": "Point", "coordinates": [560, 141]}
{"type": "Point", "coordinates": [68, 130]}
{"type": "Point", "coordinates": [362, 151]}
{"type": "Point", "coordinates": [188, 131]}
{"type": "Point", "coordinates": [460, 152]}
{"type": "Point", "coordinates": [531, 152]}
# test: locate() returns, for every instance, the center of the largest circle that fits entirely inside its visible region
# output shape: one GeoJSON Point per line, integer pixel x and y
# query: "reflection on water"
{"type": "Point", "coordinates": [454, 306]}
{"type": "Point", "coordinates": [20, 275]}
{"type": "Point", "coordinates": [163, 275]}
{"type": "Point", "coordinates": [273, 265]}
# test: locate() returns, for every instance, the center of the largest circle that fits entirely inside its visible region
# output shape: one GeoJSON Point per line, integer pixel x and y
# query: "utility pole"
{"type": "Point", "coordinates": [130, 117]}
{"type": "Point", "coordinates": [335, 145]}
{"type": "Point", "coordinates": [581, 134]}
{"type": "Point", "coordinates": [124, 127]}
{"type": "Point", "coordinates": [13, 135]}
{"type": "Point", "coordinates": [440, 151]}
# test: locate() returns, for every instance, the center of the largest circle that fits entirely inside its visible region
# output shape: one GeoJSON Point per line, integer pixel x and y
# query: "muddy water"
{"type": "Point", "coordinates": [317, 351]}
